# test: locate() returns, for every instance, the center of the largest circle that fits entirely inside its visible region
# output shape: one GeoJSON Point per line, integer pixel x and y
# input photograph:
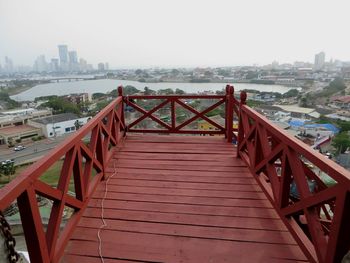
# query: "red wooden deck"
{"type": "Point", "coordinates": [181, 199]}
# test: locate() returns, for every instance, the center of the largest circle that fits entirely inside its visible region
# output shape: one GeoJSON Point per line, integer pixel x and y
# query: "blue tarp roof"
{"type": "Point", "coordinates": [301, 123]}
{"type": "Point", "coordinates": [297, 122]}
{"type": "Point", "coordinates": [327, 126]}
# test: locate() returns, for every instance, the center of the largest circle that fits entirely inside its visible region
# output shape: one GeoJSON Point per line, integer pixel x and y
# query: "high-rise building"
{"type": "Point", "coordinates": [73, 57]}
{"type": "Point", "coordinates": [82, 64]}
{"type": "Point", "coordinates": [54, 65]}
{"type": "Point", "coordinates": [8, 67]}
{"type": "Point", "coordinates": [63, 54]}
{"type": "Point", "coordinates": [106, 66]}
{"type": "Point", "coordinates": [73, 61]}
{"type": "Point", "coordinates": [40, 64]}
{"type": "Point", "coordinates": [89, 67]}
{"type": "Point", "coordinates": [101, 66]}
{"type": "Point", "coordinates": [320, 59]}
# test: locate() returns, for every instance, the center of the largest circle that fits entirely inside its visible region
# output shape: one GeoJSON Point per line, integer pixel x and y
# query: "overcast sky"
{"type": "Point", "coordinates": [142, 33]}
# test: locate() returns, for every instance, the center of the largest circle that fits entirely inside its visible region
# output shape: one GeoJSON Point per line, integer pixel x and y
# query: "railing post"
{"type": "Point", "coordinates": [122, 118]}
{"type": "Point", "coordinates": [226, 108]}
{"type": "Point", "coordinates": [243, 101]}
{"type": "Point", "coordinates": [229, 112]}
{"type": "Point", "coordinates": [339, 241]}
{"type": "Point", "coordinates": [173, 115]}
{"type": "Point", "coordinates": [32, 227]}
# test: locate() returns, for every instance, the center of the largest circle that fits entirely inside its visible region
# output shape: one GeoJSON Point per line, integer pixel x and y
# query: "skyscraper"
{"type": "Point", "coordinates": [73, 61]}
{"type": "Point", "coordinates": [319, 61]}
{"type": "Point", "coordinates": [54, 65]}
{"type": "Point", "coordinates": [101, 66]}
{"type": "Point", "coordinates": [63, 53]}
{"type": "Point", "coordinates": [82, 64]}
{"type": "Point", "coordinates": [73, 57]}
{"type": "Point", "coordinates": [40, 64]}
{"type": "Point", "coordinates": [8, 67]}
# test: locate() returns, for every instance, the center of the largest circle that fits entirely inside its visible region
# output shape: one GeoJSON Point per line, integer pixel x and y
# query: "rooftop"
{"type": "Point", "coordinates": [18, 111]}
{"type": "Point", "coordinates": [344, 99]}
{"type": "Point", "coordinates": [17, 129]}
{"type": "Point", "coordinates": [294, 108]}
{"type": "Point", "coordinates": [57, 118]}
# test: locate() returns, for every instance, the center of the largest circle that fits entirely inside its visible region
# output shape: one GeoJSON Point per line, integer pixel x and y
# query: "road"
{"type": "Point", "coordinates": [33, 150]}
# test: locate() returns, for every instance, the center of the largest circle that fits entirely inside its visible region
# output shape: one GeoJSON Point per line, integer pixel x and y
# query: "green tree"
{"type": "Point", "coordinates": [252, 75]}
{"type": "Point", "coordinates": [341, 142]}
{"type": "Point", "coordinates": [303, 102]}
{"type": "Point", "coordinates": [4, 96]}
{"type": "Point", "coordinates": [220, 92]}
{"type": "Point", "coordinates": [291, 93]}
{"type": "Point", "coordinates": [165, 92]}
{"type": "Point", "coordinates": [148, 91]}
{"type": "Point", "coordinates": [343, 125]}
{"type": "Point", "coordinates": [8, 168]}
{"type": "Point", "coordinates": [335, 86]}
{"type": "Point", "coordinates": [179, 92]}
{"type": "Point", "coordinates": [138, 72]}
{"type": "Point", "coordinates": [59, 105]}
{"type": "Point", "coordinates": [129, 90]}
{"type": "Point", "coordinates": [101, 104]}
{"type": "Point", "coordinates": [224, 72]}
{"type": "Point", "coordinates": [98, 95]}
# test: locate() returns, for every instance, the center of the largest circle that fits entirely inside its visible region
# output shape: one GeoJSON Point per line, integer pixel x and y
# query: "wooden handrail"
{"type": "Point", "coordinates": [79, 160]}
{"type": "Point", "coordinates": [319, 218]}
{"type": "Point", "coordinates": [177, 100]}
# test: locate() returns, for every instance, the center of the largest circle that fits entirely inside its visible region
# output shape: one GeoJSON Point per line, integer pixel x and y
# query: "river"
{"type": "Point", "coordinates": [106, 85]}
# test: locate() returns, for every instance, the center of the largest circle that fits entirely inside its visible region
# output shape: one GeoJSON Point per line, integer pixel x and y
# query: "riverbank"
{"type": "Point", "coordinates": [107, 85]}
{"type": "Point", "coordinates": [14, 87]}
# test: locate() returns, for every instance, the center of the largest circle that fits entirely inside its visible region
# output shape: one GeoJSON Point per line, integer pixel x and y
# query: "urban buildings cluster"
{"type": "Point", "coordinates": [66, 62]}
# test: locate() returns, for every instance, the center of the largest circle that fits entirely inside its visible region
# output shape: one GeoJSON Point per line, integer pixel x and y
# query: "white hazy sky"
{"type": "Point", "coordinates": [140, 33]}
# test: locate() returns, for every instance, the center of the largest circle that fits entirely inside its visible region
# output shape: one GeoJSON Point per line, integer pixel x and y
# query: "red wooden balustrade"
{"type": "Point", "coordinates": [80, 160]}
{"type": "Point", "coordinates": [319, 217]}
{"type": "Point", "coordinates": [231, 109]}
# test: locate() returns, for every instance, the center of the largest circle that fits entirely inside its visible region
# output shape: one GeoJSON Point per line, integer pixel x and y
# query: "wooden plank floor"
{"type": "Point", "coordinates": [181, 199]}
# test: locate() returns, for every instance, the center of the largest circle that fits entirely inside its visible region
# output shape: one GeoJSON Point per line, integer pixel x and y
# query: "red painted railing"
{"type": "Point", "coordinates": [173, 101]}
{"type": "Point", "coordinates": [317, 215]}
{"type": "Point", "coordinates": [291, 175]}
{"type": "Point", "coordinates": [84, 156]}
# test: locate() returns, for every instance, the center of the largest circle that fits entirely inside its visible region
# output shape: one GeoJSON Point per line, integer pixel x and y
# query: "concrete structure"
{"type": "Point", "coordinates": [73, 61]}
{"type": "Point", "coordinates": [319, 61]}
{"type": "Point", "coordinates": [63, 53]}
{"type": "Point", "coordinates": [22, 132]}
{"type": "Point", "coordinates": [82, 64]}
{"type": "Point", "coordinates": [40, 64]}
{"type": "Point", "coordinates": [54, 65]}
{"type": "Point", "coordinates": [78, 98]}
{"type": "Point", "coordinates": [21, 116]}
{"type": "Point", "coordinates": [58, 125]}
{"type": "Point", "coordinates": [101, 66]}
{"type": "Point", "coordinates": [341, 102]}
{"type": "Point", "coordinates": [299, 112]}
{"type": "Point", "coordinates": [8, 67]}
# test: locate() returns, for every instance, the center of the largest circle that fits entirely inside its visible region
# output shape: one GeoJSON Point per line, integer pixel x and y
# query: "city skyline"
{"type": "Point", "coordinates": [68, 61]}
{"type": "Point", "coordinates": [175, 34]}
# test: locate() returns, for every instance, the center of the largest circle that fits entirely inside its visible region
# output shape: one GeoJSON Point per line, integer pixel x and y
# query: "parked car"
{"type": "Point", "coordinates": [7, 162]}
{"type": "Point", "coordinates": [19, 148]}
